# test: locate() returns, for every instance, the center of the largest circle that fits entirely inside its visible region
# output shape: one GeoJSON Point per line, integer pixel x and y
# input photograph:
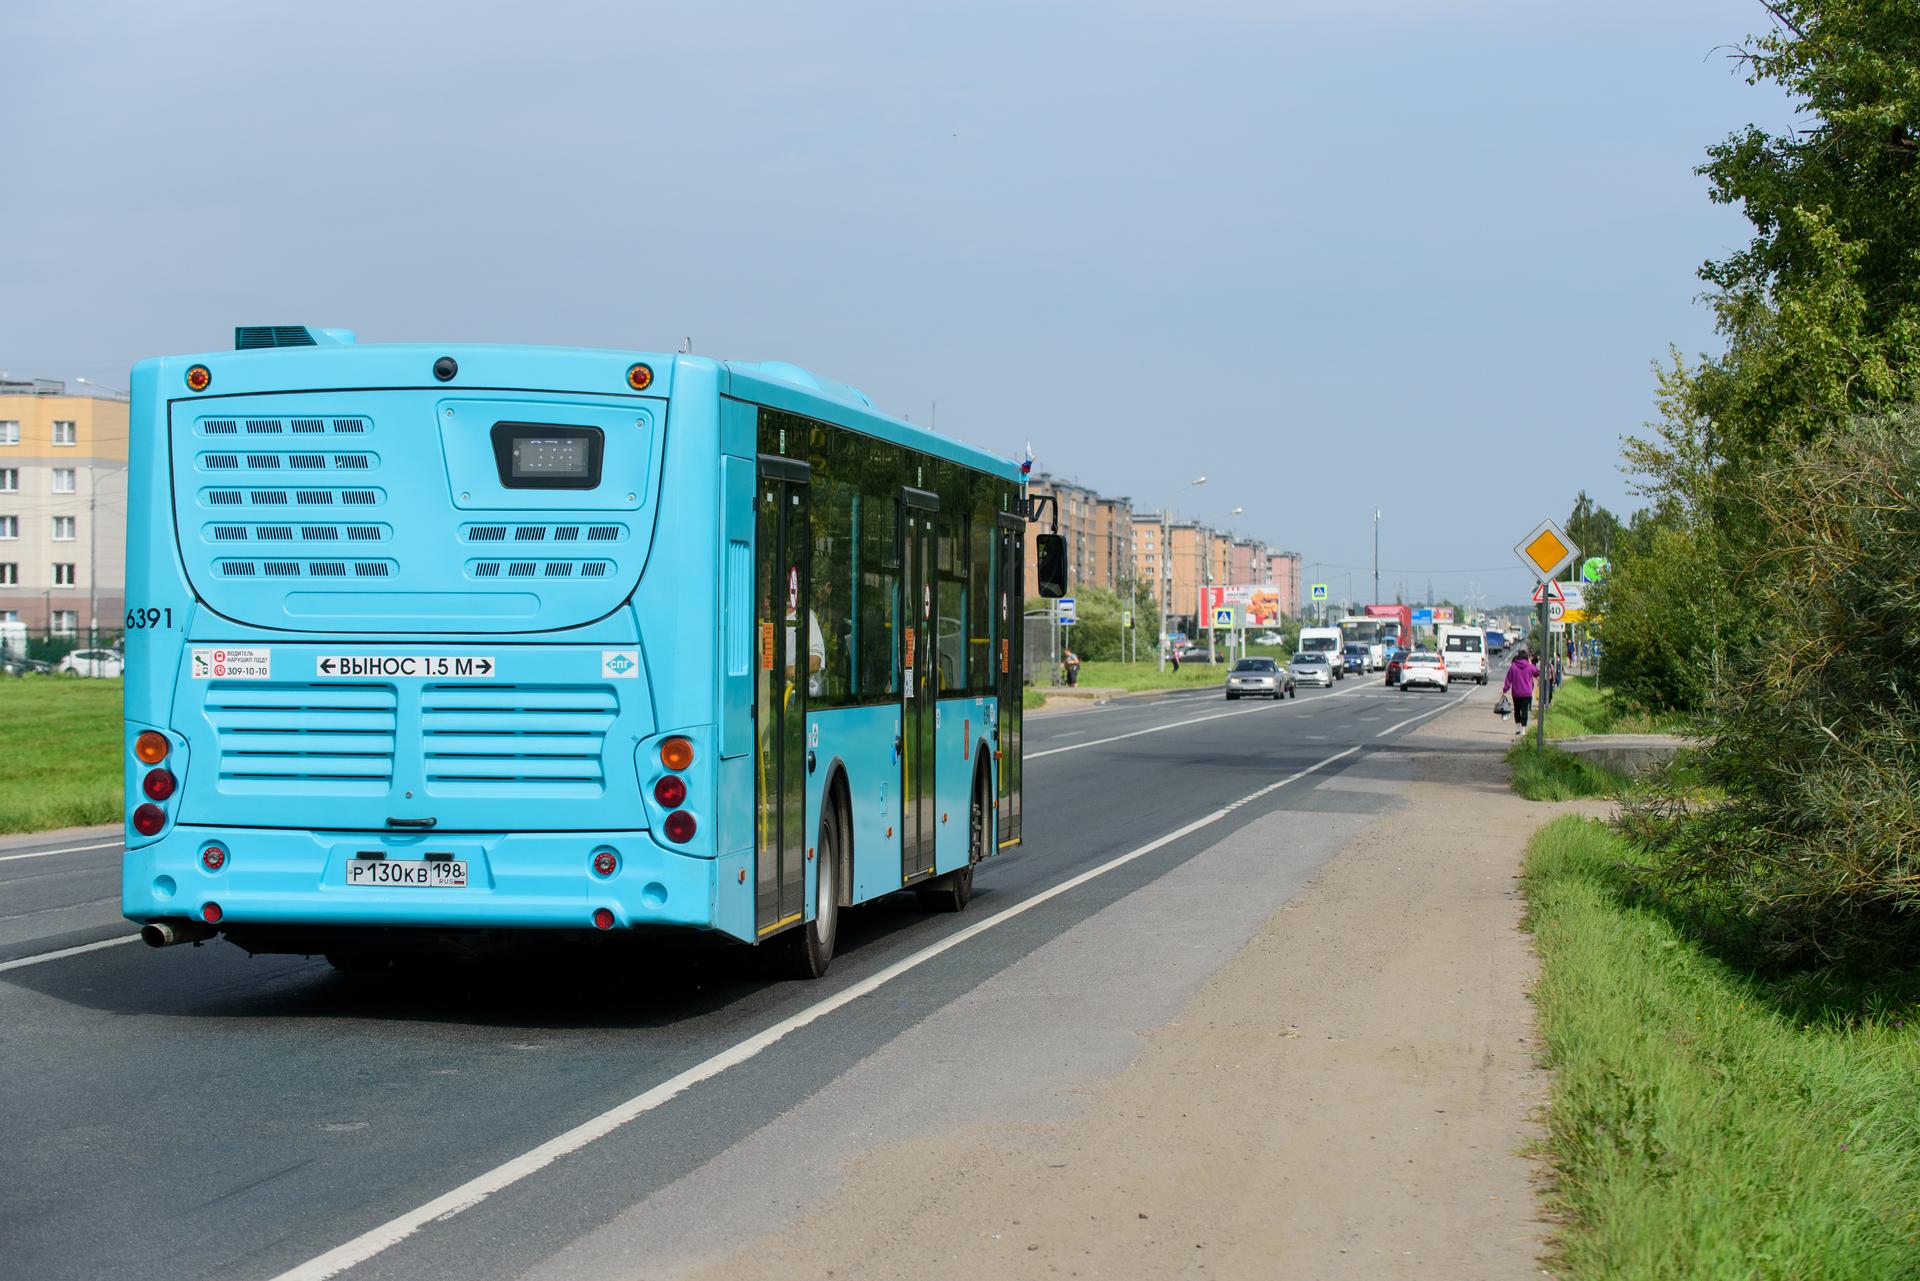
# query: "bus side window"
{"type": "Point", "coordinates": [878, 635]}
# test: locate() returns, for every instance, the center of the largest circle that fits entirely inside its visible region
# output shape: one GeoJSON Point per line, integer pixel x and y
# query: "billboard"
{"type": "Point", "coordinates": [1259, 603]}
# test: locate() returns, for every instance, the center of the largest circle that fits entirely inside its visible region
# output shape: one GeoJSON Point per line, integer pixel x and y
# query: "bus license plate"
{"type": "Point", "coordinates": [446, 874]}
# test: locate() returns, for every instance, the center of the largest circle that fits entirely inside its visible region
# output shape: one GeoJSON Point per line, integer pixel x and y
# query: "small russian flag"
{"type": "Point", "coordinates": [1026, 468]}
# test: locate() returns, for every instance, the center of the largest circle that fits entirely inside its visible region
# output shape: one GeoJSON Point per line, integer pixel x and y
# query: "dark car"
{"type": "Point", "coordinates": [1396, 659]}
{"type": "Point", "coordinates": [1355, 657]}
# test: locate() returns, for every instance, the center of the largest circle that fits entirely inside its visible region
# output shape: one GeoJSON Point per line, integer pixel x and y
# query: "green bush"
{"type": "Point", "coordinates": [1809, 851]}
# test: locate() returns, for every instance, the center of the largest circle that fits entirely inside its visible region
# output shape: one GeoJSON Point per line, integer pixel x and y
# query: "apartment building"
{"type": "Point", "coordinates": [63, 508]}
{"type": "Point", "coordinates": [1283, 571]}
{"type": "Point", "coordinates": [1098, 530]}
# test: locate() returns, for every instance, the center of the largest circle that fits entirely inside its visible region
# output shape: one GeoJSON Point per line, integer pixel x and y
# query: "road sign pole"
{"type": "Point", "coordinates": [1544, 676]}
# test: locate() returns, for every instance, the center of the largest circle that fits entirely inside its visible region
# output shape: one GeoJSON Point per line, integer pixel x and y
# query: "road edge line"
{"type": "Point", "coordinates": [22, 962]}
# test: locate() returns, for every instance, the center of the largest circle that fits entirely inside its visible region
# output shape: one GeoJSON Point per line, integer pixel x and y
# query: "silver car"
{"type": "Point", "coordinates": [1259, 678]}
{"type": "Point", "coordinates": [1311, 669]}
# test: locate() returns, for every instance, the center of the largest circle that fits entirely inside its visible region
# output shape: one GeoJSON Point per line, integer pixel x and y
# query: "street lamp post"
{"type": "Point", "coordinates": [1166, 565]}
{"type": "Point", "coordinates": [1213, 642]}
{"type": "Point", "coordinates": [93, 552]}
{"type": "Point", "coordinates": [1376, 555]}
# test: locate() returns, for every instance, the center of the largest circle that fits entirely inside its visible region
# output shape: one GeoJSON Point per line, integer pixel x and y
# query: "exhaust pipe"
{"type": "Point", "coordinates": [167, 933]}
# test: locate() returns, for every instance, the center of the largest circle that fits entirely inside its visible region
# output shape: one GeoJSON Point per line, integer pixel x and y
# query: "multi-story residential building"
{"type": "Point", "coordinates": [1112, 561]}
{"type": "Point", "coordinates": [1283, 571]}
{"type": "Point", "coordinates": [1246, 562]}
{"type": "Point", "coordinates": [63, 508]}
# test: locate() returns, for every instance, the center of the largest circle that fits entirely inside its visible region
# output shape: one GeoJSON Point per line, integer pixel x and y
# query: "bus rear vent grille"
{"type": "Point", "coordinates": [539, 568]}
{"type": "Point", "coordinates": [523, 741]}
{"type": "Point", "coordinates": [293, 497]}
{"type": "Point", "coordinates": [284, 426]}
{"type": "Point", "coordinates": [306, 568]}
{"type": "Point", "coordinates": [332, 740]}
{"type": "Point", "coordinates": [299, 533]}
{"type": "Point", "coordinates": [543, 533]}
{"type": "Point", "coordinates": [289, 462]}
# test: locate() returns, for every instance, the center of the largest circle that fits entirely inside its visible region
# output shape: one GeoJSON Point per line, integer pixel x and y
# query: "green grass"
{"type": "Point", "coordinates": [1145, 675]}
{"type": "Point", "coordinates": [1703, 1124]}
{"type": "Point", "coordinates": [60, 738]}
{"type": "Point", "coordinates": [1578, 708]}
{"type": "Point", "coordinates": [1031, 698]}
{"type": "Point", "coordinates": [1549, 774]}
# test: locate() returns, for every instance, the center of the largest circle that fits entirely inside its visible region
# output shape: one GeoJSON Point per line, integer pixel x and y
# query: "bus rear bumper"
{"type": "Point", "coordinates": [516, 880]}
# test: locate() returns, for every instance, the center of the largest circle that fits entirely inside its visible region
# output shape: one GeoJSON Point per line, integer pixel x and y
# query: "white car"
{"type": "Point", "coordinates": [1424, 667]}
{"type": "Point", "coordinates": [91, 662]}
{"type": "Point", "coordinates": [1311, 669]}
{"type": "Point", "coordinates": [1269, 638]}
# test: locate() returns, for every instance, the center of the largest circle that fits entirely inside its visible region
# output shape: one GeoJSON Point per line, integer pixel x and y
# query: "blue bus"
{"type": "Point", "coordinates": [432, 647]}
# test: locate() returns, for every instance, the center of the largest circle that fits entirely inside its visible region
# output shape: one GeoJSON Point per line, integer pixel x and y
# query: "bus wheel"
{"type": "Point", "coordinates": [808, 948]}
{"type": "Point", "coordinates": [952, 892]}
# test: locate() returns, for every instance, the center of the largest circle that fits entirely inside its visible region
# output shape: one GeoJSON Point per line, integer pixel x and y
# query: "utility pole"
{"type": "Point", "coordinates": [1166, 567]}
{"type": "Point", "coordinates": [1376, 554]}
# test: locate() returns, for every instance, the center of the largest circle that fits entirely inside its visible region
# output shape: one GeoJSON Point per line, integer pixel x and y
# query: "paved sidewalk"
{"type": "Point", "coordinates": [1348, 1097]}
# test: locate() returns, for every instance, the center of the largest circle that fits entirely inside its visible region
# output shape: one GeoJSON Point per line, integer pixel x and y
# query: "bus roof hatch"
{"type": "Point", "coordinates": [254, 337]}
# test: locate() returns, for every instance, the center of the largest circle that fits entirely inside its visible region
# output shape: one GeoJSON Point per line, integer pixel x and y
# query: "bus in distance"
{"type": "Point", "coordinates": [436, 646]}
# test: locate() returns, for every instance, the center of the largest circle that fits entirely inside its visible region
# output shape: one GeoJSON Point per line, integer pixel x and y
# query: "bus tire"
{"type": "Point", "coordinates": [952, 892]}
{"type": "Point", "coordinates": [807, 949]}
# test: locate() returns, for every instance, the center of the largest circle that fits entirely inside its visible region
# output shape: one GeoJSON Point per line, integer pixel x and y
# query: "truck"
{"type": "Point", "coordinates": [1396, 630]}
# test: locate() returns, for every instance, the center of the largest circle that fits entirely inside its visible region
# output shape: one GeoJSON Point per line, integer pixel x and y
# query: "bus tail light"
{"type": "Point", "coordinates": [149, 819]}
{"type": "Point", "coordinates": [211, 914]}
{"type": "Point", "coordinates": [676, 753]}
{"type": "Point", "coordinates": [158, 784]}
{"type": "Point", "coordinates": [151, 747]}
{"type": "Point", "coordinates": [670, 791]}
{"type": "Point", "coordinates": [606, 862]}
{"type": "Point", "coordinates": [679, 827]}
{"type": "Point", "coordinates": [602, 919]}
{"type": "Point", "coordinates": [213, 858]}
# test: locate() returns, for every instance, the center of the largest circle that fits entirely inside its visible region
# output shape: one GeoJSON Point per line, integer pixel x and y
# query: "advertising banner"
{"type": "Point", "coordinates": [1258, 603]}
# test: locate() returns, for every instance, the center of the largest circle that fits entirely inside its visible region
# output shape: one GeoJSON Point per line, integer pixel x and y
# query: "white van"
{"type": "Point", "coordinates": [1464, 650]}
{"type": "Point", "coordinates": [1324, 640]}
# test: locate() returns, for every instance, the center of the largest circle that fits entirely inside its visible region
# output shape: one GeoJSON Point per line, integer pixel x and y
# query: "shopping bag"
{"type": "Point", "coordinates": [1504, 707]}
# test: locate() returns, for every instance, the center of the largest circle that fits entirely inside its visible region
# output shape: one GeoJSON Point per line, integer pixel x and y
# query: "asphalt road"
{"type": "Point", "coordinates": [195, 1112]}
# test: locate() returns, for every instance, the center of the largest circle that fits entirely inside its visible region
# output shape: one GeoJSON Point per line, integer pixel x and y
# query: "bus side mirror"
{"type": "Point", "coordinates": [1050, 564]}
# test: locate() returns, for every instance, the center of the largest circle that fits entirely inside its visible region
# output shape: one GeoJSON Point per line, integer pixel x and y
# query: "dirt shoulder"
{"type": "Point", "coordinates": [1348, 1097]}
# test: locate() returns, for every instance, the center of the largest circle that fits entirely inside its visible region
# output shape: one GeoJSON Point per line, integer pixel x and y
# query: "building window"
{"type": "Point", "coordinates": [9, 615]}
{"type": "Point", "coordinates": [63, 575]}
{"type": "Point", "coordinates": [66, 432]}
{"type": "Point", "coordinates": [63, 480]}
{"type": "Point", "coordinates": [63, 528]}
{"type": "Point", "coordinates": [66, 622]}
{"type": "Point", "coordinates": [9, 527]}
{"type": "Point", "coordinates": [9, 574]}
{"type": "Point", "coordinates": [9, 431]}
{"type": "Point", "coordinates": [9, 480]}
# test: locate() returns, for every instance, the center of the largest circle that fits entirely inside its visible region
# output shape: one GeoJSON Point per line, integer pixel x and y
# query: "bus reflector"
{"type": "Point", "coordinates": [158, 784]}
{"type": "Point", "coordinates": [602, 919]}
{"type": "Point", "coordinates": [639, 377]}
{"type": "Point", "coordinates": [679, 827]}
{"type": "Point", "coordinates": [150, 747]}
{"type": "Point", "coordinates": [211, 914]}
{"type": "Point", "coordinates": [670, 791]}
{"type": "Point", "coordinates": [213, 858]}
{"type": "Point", "coordinates": [149, 819]}
{"type": "Point", "coordinates": [676, 753]}
{"type": "Point", "coordinates": [199, 378]}
{"type": "Point", "coordinates": [606, 862]}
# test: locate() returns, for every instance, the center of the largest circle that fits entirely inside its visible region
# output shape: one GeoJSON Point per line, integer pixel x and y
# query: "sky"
{"type": "Point", "coordinates": [1413, 255]}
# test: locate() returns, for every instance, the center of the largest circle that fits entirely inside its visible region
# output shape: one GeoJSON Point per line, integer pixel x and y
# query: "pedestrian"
{"type": "Point", "coordinates": [1519, 684]}
{"type": "Point", "coordinates": [1073, 668]}
{"type": "Point", "coordinates": [1174, 650]}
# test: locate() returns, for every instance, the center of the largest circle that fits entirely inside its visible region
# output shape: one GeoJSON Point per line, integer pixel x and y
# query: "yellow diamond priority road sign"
{"type": "Point", "coordinates": [1547, 550]}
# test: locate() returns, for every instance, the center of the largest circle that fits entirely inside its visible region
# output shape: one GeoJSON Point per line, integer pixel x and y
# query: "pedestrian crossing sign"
{"type": "Point", "coordinates": [1223, 616]}
{"type": "Point", "coordinates": [1319, 591]}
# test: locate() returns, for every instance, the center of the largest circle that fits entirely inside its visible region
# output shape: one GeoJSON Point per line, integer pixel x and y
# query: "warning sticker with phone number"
{"type": "Point", "coordinates": [232, 664]}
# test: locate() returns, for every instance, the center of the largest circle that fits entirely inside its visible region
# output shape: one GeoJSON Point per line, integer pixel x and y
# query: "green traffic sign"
{"type": "Point", "coordinates": [1594, 569]}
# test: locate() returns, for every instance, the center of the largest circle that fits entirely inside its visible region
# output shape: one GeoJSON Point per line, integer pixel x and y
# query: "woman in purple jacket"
{"type": "Point", "coordinates": [1519, 683]}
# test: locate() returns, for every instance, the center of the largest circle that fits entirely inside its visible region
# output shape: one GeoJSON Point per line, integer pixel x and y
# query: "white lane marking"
{"type": "Point", "coordinates": [1423, 715]}
{"type": "Point", "coordinates": [478, 1189]}
{"type": "Point", "coordinates": [23, 962]}
{"type": "Point", "coordinates": [71, 849]}
{"type": "Point", "coordinates": [1192, 720]}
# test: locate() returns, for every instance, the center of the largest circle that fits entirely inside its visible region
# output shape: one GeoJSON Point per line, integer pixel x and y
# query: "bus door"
{"type": "Point", "coordinates": [918, 659]}
{"type": "Point", "coordinates": [1010, 578]}
{"type": "Point", "coordinates": [782, 642]}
